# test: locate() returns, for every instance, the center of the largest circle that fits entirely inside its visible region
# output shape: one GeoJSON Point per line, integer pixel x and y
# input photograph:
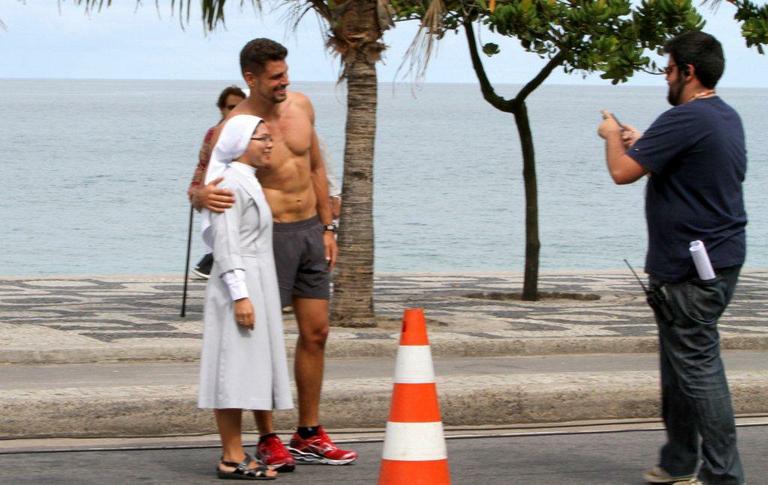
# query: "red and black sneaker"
{"type": "Point", "coordinates": [319, 449]}
{"type": "Point", "coordinates": [271, 452]}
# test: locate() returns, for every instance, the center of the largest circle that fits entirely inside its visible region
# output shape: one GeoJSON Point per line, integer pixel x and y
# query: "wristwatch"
{"type": "Point", "coordinates": [329, 227]}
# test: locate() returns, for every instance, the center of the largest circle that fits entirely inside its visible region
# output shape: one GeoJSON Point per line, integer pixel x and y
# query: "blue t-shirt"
{"type": "Point", "coordinates": [697, 159]}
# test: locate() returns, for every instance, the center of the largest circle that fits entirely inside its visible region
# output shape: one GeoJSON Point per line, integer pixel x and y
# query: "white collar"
{"type": "Point", "coordinates": [243, 168]}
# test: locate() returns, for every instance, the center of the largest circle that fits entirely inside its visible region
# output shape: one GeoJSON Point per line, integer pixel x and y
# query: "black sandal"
{"type": "Point", "coordinates": [242, 470]}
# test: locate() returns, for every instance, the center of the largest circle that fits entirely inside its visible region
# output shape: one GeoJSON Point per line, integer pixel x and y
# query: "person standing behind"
{"type": "Point", "coordinates": [228, 99]}
{"type": "Point", "coordinates": [304, 239]}
{"type": "Point", "coordinates": [695, 156]}
{"type": "Point", "coordinates": [334, 188]}
{"type": "Point", "coordinates": [243, 363]}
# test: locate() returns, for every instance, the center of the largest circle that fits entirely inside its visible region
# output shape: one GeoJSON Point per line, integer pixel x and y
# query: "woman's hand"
{"type": "Point", "coordinates": [244, 315]}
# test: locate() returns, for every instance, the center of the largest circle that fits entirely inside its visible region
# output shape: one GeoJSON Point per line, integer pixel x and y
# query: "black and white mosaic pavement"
{"type": "Point", "coordinates": [114, 309]}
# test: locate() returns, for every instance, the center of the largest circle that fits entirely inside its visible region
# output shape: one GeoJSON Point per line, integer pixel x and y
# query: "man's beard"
{"type": "Point", "coordinates": [675, 92]}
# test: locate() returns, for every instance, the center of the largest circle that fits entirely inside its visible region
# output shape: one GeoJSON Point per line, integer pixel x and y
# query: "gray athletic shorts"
{"type": "Point", "coordinates": [302, 270]}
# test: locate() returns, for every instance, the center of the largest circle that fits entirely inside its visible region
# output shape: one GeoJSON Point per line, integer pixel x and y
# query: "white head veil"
{"type": "Point", "coordinates": [232, 143]}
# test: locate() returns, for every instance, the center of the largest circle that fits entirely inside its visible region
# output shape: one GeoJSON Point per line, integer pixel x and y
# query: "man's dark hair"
{"type": "Point", "coordinates": [228, 91]}
{"type": "Point", "coordinates": [258, 52]}
{"type": "Point", "coordinates": [702, 51]}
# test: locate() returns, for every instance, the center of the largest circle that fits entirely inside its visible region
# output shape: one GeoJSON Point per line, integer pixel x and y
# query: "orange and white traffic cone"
{"type": "Point", "coordinates": [414, 445]}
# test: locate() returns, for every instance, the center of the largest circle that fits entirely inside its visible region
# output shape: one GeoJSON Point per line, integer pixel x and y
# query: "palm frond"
{"type": "Point", "coordinates": [424, 43]}
{"type": "Point", "coordinates": [212, 11]}
{"type": "Point", "coordinates": [295, 12]}
{"type": "Point", "coordinates": [321, 7]}
{"type": "Point", "coordinates": [91, 5]}
{"type": "Point", "coordinates": [713, 4]}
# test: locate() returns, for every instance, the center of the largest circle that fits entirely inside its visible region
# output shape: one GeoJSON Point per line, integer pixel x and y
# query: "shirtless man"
{"type": "Point", "coordinates": [305, 247]}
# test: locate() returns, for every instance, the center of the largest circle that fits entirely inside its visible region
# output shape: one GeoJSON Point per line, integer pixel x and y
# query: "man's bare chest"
{"type": "Point", "coordinates": [292, 137]}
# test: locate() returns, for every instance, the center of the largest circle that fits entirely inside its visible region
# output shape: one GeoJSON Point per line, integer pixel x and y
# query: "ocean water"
{"type": "Point", "coordinates": [94, 175]}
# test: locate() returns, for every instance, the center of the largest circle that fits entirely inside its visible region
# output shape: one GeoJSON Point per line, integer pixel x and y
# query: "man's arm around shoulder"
{"type": "Point", "coordinates": [210, 196]}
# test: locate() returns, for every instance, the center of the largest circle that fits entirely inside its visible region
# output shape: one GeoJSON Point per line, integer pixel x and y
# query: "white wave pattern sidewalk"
{"type": "Point", "coordinates": [83, 319]}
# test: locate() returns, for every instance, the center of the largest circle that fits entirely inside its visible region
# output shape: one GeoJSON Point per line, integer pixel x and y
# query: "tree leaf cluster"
{"type": "Point", "coordinates": [613, 37]}
{"type": "Point", "coordinates": [754, 19]}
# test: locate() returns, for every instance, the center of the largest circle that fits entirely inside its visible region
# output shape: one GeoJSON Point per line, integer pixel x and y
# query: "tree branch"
{"type": "Point", "coordinates": [540, 77]}
{"type": "Point", "coordinates": [485, 85]}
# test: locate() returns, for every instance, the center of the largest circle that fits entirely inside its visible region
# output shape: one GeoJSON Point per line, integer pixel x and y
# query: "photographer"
{"type": "Point", "coordinates": [695, 157]}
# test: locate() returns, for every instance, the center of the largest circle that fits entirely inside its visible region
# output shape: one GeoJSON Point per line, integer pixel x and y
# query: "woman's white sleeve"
{"type": "Point", "coordinates": [235, 280]}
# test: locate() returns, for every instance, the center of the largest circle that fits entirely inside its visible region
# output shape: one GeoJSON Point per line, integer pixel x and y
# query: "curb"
{"type": "Point", "coordinates": [189, 351]}
{"type": "Point", "coordinates": [360, 403]}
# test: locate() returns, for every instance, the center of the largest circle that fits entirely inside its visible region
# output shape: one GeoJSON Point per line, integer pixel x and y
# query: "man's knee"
{"type": "Point", "coordinates": [314, 336]}
{"type": "Point", "coordinates": [312, 319]}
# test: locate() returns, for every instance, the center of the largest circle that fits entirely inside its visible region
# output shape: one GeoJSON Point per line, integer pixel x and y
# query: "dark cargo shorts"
{"type": "Point", "coordinates": [302, 270]}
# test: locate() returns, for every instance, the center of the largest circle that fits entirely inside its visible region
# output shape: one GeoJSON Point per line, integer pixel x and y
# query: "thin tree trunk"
{"type": "Point", "coordinates": [532, 243]}
{"type": "Point", "coordinates": [352, 303]}
{"type": "Point", "coordinates": [518, 108]}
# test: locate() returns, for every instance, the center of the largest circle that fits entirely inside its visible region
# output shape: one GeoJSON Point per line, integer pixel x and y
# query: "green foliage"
{"type": "Point", "coordinates": [407, 10]}
{"type": "Point", "coordinates": [613, 37]}
{"type": "Point", "coordinates": [608, 36]}
{"type": "Point", "coordinates": [754, 27]}
{"type": "Point", "coordinates": [491, 49]}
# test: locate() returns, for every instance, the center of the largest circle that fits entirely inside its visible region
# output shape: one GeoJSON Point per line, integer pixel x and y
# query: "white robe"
{"type": "Point", "coordinates": [242, 368]}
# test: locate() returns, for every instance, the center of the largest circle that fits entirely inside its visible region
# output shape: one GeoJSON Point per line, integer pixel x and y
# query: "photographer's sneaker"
{"type": "Point", "coordinates": [659, 475]}
{"type": "Point", "coordinates": [319, 449]}
{"type": "Point", "coordinates": [271, 452]}
{"type": "Point", "coordinates": [203, 268]}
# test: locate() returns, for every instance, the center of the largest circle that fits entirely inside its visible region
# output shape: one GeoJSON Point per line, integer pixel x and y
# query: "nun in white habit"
{"type": "Point", "coordinates": [243, 363]}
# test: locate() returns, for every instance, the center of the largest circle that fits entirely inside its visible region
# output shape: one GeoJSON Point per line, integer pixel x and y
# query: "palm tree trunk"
{"type": "Point", "coordinates": [532, 243]}
{"type": "Point", "coordinates": [352, 304]}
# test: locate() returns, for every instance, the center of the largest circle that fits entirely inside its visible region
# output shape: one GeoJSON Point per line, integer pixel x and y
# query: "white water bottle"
{"type": "Point", "coordinates": [701, 260]}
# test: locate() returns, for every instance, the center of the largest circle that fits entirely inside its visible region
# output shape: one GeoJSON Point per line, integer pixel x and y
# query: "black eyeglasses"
{"type": "Point", "coordinates": [262, 138]}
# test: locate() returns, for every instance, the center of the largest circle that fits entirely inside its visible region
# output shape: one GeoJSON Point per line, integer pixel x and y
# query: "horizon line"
{"type": "Point", "coordinates": [413, 83]}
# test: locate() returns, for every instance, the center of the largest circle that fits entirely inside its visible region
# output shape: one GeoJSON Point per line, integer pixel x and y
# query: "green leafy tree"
{"type": "Point", "coordinates": [608, 36]}
{"type": "Point", "coordinates": [354, 30]}
{"type": "Point", "coordinates": [754, 22]}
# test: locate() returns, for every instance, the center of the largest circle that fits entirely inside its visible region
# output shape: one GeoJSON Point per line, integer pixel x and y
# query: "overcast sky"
{"type": "Point", "coordinates": [123, 42]}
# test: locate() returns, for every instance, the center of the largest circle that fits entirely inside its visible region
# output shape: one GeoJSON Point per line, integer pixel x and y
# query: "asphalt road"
{"type": "Point", "coordinates": [587, 458]}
